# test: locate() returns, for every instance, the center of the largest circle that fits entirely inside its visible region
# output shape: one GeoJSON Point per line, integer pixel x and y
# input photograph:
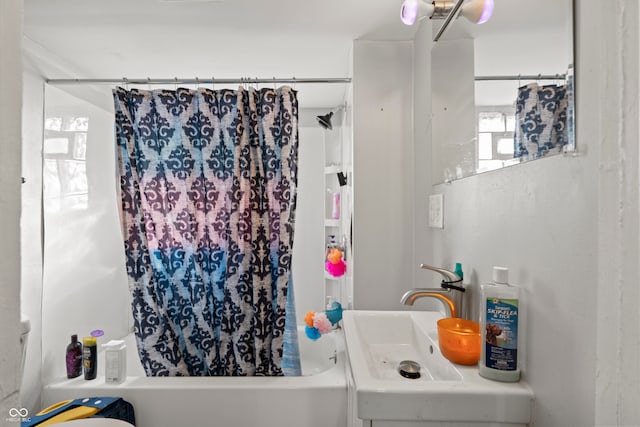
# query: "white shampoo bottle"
{"type": "Point", "coordinates": [500, 327]}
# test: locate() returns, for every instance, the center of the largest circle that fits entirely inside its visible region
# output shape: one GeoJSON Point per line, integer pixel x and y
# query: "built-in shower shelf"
{"type": "Point", "coordinates": [332, 169]}
{"type": "Point", "coordinates": [327, 276]}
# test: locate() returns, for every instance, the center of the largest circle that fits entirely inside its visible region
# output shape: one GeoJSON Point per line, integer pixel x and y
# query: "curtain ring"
{"type": "Point", "coordinates": [274, 82]}
{"type": "Point", "coordinates": [175, 84]}
{"type": "Point", "coordinates": [148, 83]}
{"type": "Point", "coordinates": [294, 82]}
{"type": "Point", "coordinates": [197, 83]}
{"type": "Point", "coordinates": [213, 83]}
{"type": "Point", "coordinates": [125, 83]}
{"type": "Point", "coordinates": [519, 84]}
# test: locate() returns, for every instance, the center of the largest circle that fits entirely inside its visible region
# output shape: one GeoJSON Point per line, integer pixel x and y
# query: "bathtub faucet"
{"type": "Point", "coordinates": [450, 292]}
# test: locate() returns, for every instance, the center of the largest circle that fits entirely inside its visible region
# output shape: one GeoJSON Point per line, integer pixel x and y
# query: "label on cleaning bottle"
{"type": "Point", "coordinates": [501, 344]}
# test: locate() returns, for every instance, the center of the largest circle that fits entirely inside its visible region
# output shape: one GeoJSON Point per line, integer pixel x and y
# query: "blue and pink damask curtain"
{"type": "Point", "coordinates": [208, 190]}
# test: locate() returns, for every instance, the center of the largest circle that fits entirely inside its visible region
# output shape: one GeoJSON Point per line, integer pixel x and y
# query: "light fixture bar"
{"type": "Point", "coordinates": [450, 17]}
{"type": "Point", "coordinates": [441, 8]}
{"type": "Point", "coordinates": [175, 80]}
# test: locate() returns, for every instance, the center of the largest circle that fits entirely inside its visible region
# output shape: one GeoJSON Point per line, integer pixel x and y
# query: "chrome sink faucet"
{"type": "Point", "coordinates": [451, 292]}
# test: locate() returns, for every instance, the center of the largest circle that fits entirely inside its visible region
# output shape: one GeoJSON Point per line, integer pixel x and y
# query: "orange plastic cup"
{"type": "Point", "coordinates": [459, 340]}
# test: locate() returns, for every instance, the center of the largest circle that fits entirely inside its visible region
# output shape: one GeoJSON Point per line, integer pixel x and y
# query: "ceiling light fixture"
{"type": "Point", "coordinates": [476, 11]}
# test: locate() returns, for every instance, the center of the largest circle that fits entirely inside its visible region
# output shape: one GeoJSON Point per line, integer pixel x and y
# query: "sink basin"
{"type": "Point", "coordinates": [387, 338]}
{"type": "Point", "coordinates": [377, 341]}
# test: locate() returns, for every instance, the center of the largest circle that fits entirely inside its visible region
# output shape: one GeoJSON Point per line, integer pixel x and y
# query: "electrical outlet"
{"type": "Point", "coordinates": [436, 211]}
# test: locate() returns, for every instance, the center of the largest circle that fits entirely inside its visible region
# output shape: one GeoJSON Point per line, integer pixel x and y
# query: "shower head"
{"type": "Point", "coordinates": [325, 121]}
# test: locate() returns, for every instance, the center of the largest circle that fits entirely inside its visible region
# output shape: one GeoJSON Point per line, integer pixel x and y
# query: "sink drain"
{"type": "Point", "coordinates": [409, 369]}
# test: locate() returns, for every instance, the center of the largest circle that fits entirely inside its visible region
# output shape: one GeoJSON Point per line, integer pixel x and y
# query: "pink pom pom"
{"type": "Point", "coordinates": [321, 323]}
{"type": "Point", "coordinates": [336, 270]}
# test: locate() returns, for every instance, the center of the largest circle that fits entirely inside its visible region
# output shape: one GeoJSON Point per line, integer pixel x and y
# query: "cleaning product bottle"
{"type": "Point", "coordinates": [499, 315]}
{"type": "Point", "coordinates": [115, 361]}
{"type": "Point", "coordinates": [90, 357]}
{"type": "Point", "coordinates": [74, 357]}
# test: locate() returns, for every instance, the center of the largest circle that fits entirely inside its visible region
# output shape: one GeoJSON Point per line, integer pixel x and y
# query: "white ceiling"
{"type": "Point", "coordinates": [222, 39]}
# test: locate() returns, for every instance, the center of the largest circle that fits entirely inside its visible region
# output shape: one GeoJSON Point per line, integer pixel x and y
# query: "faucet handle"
{"type": "Point", "coordinates": [450, 275]}
{"type": "Point", "coordinates": [451, 280]}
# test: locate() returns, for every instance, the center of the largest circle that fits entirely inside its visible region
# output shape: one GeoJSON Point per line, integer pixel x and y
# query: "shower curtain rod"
{"type": "Point", "coordinates": [524, 77]}
{"type": "Point", "coordinates": [211, 80]}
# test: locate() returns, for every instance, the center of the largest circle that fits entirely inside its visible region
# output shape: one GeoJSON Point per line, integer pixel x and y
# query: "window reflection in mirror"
{"type": "Point", "coordinates": [502, 92]}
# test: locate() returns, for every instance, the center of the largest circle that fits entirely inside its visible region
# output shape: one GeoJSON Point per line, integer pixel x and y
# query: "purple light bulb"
{"type": "Point", "coordinates": [409, 12]}
{"type": "Point", "coordinates": [487, 11]}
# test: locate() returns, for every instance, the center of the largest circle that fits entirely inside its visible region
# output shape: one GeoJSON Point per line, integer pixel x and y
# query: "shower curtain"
{"type": "Point", "coordinates": [208, 197]}
{"type": "Point", "coordinates": [541, 120]}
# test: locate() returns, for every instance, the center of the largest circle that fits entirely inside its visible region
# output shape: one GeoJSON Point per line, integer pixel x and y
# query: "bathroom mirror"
{"type": "Point", "coordinates": [503, 91]}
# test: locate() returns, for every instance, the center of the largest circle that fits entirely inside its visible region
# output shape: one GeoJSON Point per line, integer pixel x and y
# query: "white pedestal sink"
{"type": "Point", "coordinates": [446, 394]}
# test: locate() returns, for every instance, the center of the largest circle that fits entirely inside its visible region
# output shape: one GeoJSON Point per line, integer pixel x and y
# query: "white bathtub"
{"type": "Point", "coordinates": [316, 399]}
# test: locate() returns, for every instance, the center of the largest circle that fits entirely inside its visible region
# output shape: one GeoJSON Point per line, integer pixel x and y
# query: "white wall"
{"type": "Point", "coordinates": [618, 344]}
{"type": "Point", "coordinates": [308, 249]}
{"type": "Point", "coordinates": [422, 246]}
{"type": "Point", "coordinates": [383, 173]}
{"type": "Point", "coordinates": [30, 234]}
{"type": "Point", "coordinates": [532, 52]}
{"type": "Point", "coordinates": [568, 229]}
{"type": "Point", "coordinates": [10, 172]}
{"type": "Point", "coordinates": [453, 109]}
{"type": "Point", "coordinates": [392, 174]}
{"type": "Point", "coordinates": [84, 278]}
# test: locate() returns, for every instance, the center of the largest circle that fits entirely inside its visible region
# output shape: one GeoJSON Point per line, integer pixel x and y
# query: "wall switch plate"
{"type": "Point", "coordinates": [436, 211]}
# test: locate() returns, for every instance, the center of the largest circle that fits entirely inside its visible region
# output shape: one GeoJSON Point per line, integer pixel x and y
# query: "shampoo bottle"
{"type": "Point", "coordinates": [499, 315]}
{"type": "Point", "coordinates": [335, 206]}
{"type": "Point", "coordinates": [74, 358]}
{"type": "Point", "coordinates": [90, 357]}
